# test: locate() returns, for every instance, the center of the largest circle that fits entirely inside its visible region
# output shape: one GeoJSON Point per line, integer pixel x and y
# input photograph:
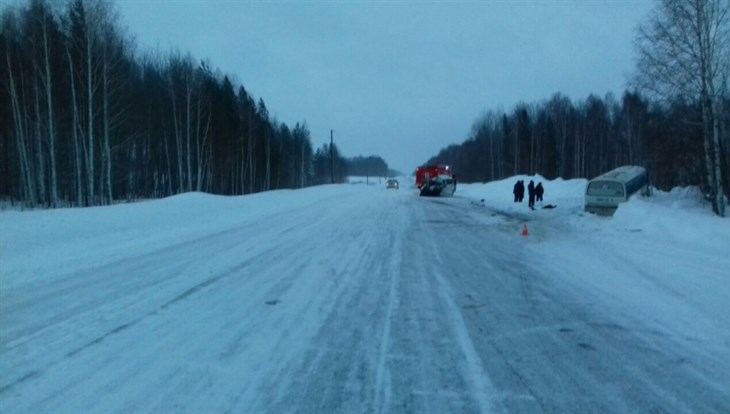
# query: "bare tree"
{"type": "Point", "coordinates": [264, 115]}
{"type": "Point", "coordinates": [45, 31]}
{"type": "Point", "coordinates": [683, 51]}
{"type": "Point", "coordinates": [633, 119]}
{"type": "Point", "coordinates": [560, 110]}
{"type": "Point", "coordinates": [83, 46]}
{"type": "Point", "coordinates": [15, 82]}
{"type": "Point", "coordinates": [114, 51]}
{"type": "Point", "coordinates": [75, 132]}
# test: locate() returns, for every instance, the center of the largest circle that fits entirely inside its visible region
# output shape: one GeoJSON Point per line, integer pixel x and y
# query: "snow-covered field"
{"type": "Point", "coordinates": [353, 298]}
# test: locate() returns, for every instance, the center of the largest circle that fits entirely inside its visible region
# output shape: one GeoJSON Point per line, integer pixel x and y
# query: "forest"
{"type": "Point", "coordinates": [569, 139]}
{"type": "Point", "coordinates": [86, 121]}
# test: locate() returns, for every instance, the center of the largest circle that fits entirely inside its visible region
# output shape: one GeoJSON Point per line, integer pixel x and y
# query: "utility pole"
{"type": "Point", "coordinates": [332, 155]}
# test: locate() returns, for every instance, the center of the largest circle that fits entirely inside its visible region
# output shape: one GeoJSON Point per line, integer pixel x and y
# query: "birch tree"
{"type": "Point", "coordinates": [42, 34]}
{"type": "Point", "coordinates": [115, 75]}
{"type": "Point", "coordinates": [263, 114]}
{"type": "Point", "coordinates": [83, 38]}
{"type": "Point", "coordinates": [683, 51]}
{"type": "Point", "coordinates": [13, 60]}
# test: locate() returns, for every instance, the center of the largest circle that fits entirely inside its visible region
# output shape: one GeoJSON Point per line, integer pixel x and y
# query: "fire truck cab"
{"type": "Point", "coordinates": [428, 172]}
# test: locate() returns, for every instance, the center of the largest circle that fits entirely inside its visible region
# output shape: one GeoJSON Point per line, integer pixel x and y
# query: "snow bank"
{"type": "Point", "coordinates": [41, 244]}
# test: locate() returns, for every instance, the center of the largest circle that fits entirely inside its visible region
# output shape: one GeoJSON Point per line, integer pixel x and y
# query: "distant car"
{"type": "Point", "coordinates": [391, 183]}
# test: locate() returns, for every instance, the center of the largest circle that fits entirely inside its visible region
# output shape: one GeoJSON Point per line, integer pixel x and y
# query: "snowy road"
{"type": "Point", "coordinates": [367, 301]}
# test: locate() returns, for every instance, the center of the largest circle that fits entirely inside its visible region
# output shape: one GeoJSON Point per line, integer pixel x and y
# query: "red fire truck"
{"type": "Point", "coordinates": [435, 181]}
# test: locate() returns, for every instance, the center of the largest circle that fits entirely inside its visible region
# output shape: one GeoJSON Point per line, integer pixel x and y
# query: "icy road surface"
{"type": "Point", "coordinates": [360, 301]}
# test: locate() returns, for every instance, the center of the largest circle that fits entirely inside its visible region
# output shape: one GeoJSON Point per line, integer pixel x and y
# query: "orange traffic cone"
{"type": "Point", "coordinates": [524, 231]}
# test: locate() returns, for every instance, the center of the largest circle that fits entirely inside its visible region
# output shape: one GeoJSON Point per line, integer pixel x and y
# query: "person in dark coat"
{"type": "Point", "coordinates": [522, 190]}
{"type": "Point", "coordinates": [516, 191]}
{"type": "Point", "coordinates": [531, 194]}
{"type": "Point", "coordinates": [538, 192]}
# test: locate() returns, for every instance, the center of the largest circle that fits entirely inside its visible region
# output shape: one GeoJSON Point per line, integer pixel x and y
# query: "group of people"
{"type": "Point", "coordinates": [534, 193]}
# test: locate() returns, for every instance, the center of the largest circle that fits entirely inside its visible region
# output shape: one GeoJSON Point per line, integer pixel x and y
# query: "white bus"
{"type": "Point", "coordinates": [605, 192]}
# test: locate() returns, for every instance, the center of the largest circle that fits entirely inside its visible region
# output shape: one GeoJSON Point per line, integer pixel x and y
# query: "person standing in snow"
{"type": "Point", "coordinates": [522, 190]}
{"type": "Point", "coordinates": [516, 191]}
{"type": "Point", "coordinates": [539, 190]}
{"type": "Point", "coordinates": [531, 194]}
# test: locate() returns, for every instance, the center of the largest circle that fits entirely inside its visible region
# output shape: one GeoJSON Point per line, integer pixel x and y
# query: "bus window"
{"type": "Point", "coordinates": [605, 189]}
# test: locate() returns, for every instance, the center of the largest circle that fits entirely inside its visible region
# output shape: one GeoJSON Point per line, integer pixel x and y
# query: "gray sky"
{"type": "Point", "coordinates": [399, 79]}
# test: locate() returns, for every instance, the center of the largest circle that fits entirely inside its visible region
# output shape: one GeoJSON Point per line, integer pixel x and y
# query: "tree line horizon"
{"type": "Point", "coordinates": [86, 121]}
{"type": "Point", "coordinates": [565, 138]}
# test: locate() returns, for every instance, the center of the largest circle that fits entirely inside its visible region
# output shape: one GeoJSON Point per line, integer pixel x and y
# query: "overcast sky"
{"type": "Point", "coordinates": [398, 79]}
